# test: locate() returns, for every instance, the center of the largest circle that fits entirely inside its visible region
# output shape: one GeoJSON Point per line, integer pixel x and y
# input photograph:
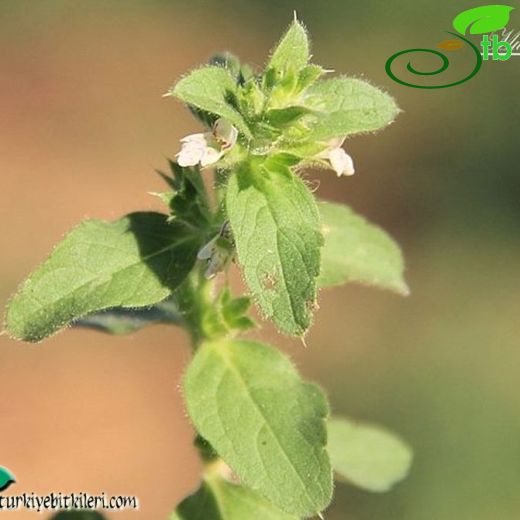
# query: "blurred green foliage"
{"type": "Point", "coordinates": [442, 367]}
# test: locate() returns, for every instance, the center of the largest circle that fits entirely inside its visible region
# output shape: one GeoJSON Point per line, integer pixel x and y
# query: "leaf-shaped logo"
{"type": "Point", "coordinates": [484, 19]}
{"type": "Point", "coordinates": [6, 478]}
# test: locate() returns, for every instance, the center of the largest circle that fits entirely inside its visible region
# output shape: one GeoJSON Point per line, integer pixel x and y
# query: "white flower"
{"type": "Point", "coordinates": [340, 161]}
{"type": "Point", "coordinates": [207, 148]}
{"type": "Point", "coordinates": [225, 133]}
{"type": "Point", "coordinates": [218, 252]}
{"type": "Point", "coordinates": [195, 150]}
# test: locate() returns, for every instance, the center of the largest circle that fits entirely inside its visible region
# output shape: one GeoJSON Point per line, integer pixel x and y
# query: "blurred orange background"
{"type": "Point", "coordinates": [84, 127]}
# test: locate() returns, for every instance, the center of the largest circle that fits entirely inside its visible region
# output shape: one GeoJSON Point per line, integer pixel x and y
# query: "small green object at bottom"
{"type": "Point", "coordinates": [6, 478]}
{"type": "Point", "coordinates": [78, 515]}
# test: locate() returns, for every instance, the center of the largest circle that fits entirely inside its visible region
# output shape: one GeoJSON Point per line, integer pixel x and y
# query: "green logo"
{"type": "Point", "coordinates": [479, 20]}
{"type": "Point", "coordinates": [6, 479]}
{"type": "Point", "coordinates": [484, 19]}
{"type": "Point", "coordinates": [496, 45]}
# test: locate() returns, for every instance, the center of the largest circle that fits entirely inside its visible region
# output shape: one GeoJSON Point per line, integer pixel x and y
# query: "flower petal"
{"type": "Point", "coordinates": [206, 252]}
{"type": "Point", "coordinates": [195, 138]}
{"type": "Point", "coordinates": [341, 162]}
{"type": "Point", "coordinates": [210, 156]}
{"type": "Point", "coordinates": [225, 133]}
{"type": "Point", "coordinates": [336, 142]}
{"type": "Point", "coordinates": [190, 155]}
{"type": "Point", "coordinates": [209, 147]}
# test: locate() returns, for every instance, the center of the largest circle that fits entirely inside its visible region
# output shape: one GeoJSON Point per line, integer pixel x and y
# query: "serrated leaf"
{"type": "Point", "coordinates": [6, 478]}
{"type": "Point", "coordinates": [483, 19]}
{"type": "Point", "coordinates": [211, 89]}
{"type": "Point", "coordinates": [293, 50]}
{"type": "Point", "coordinates": [275, 224]}
{"type": "Point", "coordinates": [133, 262]}
{"type": "Point", "coordinates": [120, 321]}
{"type": "Point", "coordinates": [349, 106]}
{"type": "Point", "coordinates": [217, 499]}
{"type": "Point", "coordinates": [367, 456]}
{"type": "Point", "coordinates": [357, 251]}
{"type": "Point", "coordinates": [251, 405]}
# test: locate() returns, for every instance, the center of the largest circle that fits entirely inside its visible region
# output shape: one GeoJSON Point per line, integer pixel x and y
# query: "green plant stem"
{"type": "Point", "coordinates": [193, 297]}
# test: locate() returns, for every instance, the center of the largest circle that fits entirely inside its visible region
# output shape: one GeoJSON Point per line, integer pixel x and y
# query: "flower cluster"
{"type": "Point", "coordinates": [207, 148]}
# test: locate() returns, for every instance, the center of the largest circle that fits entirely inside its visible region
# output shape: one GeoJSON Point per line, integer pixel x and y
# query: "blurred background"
{"type": "Point", "coordinates": [83, 128]}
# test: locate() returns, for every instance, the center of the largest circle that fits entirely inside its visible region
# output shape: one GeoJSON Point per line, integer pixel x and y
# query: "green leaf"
{"type": "Point", "coordinates": [367, 456]}
{"type": "Point", "coordinates": [241, 72]}
{"type": "Point", "coordinates": [293, 50]}
{"type": "Point", "coordinates": [228, 61]}
{"type": "Point", "coordinates": [218, 499]}
{"type": "Point", "coordinates": [282, 117]}
{"type": "Point", "coordinates": [187, 199]}
{"type": "Point", "coordinates": [357, 251]}
{"type": "Point", "coordinates": [119, 320]}
{"type": "Point", "coordinates": [133, 262]}
{"type": "Point", "coordinates": [225, 316]}
{"type": "Point", "coordinates": [309, 75]}
{"type": "Point", "coordinates": [275, 224]}
{"type": "Point", "coordinates": [349, 106]}
{"type": "Point", "coordinates": [234, 312]}
{"type": "Point", "coordinates": [483, 19]}
{"type": "Point", "coordinates": [213, 90]}
{"type": "Point", "coordinates": [206, 451]}
{"type": "Point", "coordinates": [248, 401]}
{"type": "Point", "coordinates": [6, 478]}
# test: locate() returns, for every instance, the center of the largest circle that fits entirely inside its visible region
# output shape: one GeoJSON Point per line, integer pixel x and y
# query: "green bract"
{"type": "Point", "coordinates": [293, 50]}
{"type": "Point", "coordinates": [253, 413]}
